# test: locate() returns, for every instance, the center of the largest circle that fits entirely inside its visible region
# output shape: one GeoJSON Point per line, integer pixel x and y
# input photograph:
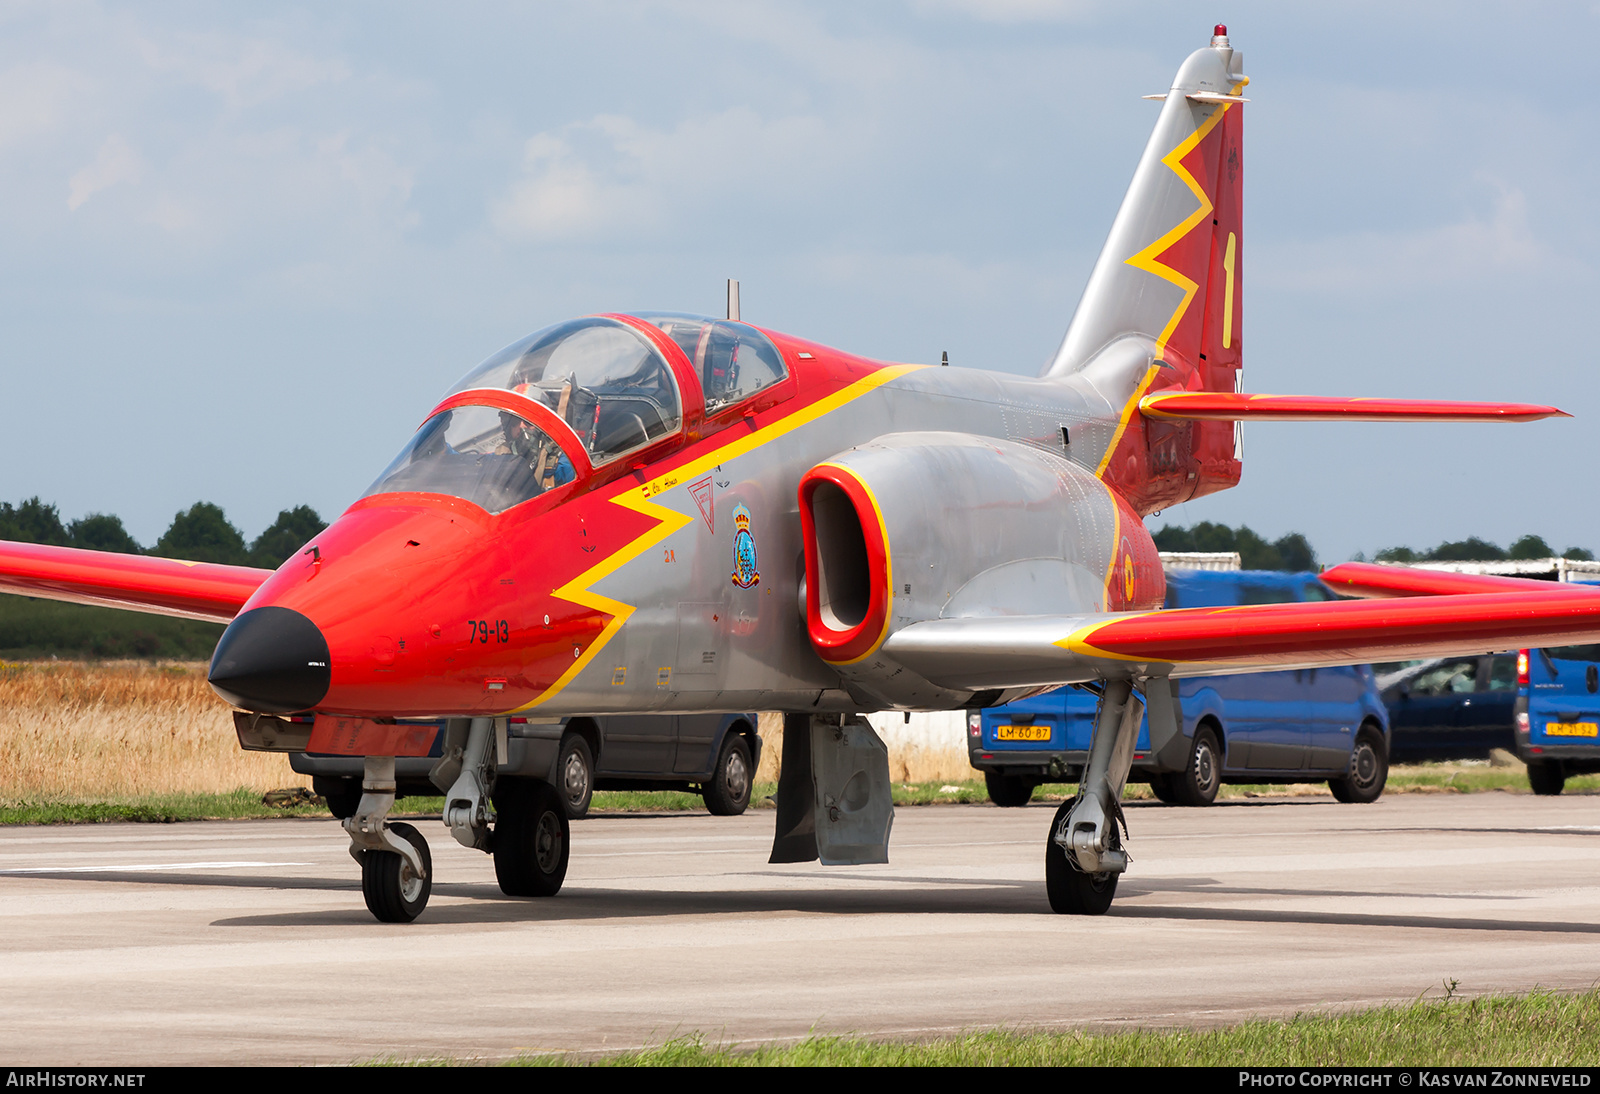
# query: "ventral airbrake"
{"type": "Point", "coordinates": [652, 513]}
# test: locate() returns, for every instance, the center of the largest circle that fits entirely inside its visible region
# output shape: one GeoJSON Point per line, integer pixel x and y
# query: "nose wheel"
{"type": "Point", "coordinates": [396, 891]}
{"type": "Point", "coordinates": [396, 868]}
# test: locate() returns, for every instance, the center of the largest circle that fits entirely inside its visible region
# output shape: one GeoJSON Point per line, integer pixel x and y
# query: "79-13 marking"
{"type": "Point", "coordinates": [485, 629]}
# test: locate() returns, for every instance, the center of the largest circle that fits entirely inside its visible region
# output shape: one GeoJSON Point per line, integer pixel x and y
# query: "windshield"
{"type": "Point", "coordinates": [599, 376]}
{"type": "Point", "coordinates": [490, 457]}
{"type": "Point", "coordinates": [1574, 653]}
{"type": "Point", "coordinates": [732, 360]}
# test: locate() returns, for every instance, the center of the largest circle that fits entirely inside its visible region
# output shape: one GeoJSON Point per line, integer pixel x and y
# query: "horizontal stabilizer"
{"type": "Point", "coordinates": [1034, 651]}
{"type": "Point", "coordinates": [160, 586]}
{"type": "Point", "coordinates": [1227, 406]}
{"type": "Point", "coordinates": [1368, 579]}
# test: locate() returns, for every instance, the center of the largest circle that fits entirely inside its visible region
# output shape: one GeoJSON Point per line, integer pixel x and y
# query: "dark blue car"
{"type": "Point", "coordinates": [1450, 708]}
{"type": "Point", "coordinates": [1297, 726]}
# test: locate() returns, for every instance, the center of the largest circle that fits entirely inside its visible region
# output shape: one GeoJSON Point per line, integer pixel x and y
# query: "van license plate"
{"type": "Point", "coordinates": [1572, 729]}
{"type": "Point", "coordinates": [1022, 733]}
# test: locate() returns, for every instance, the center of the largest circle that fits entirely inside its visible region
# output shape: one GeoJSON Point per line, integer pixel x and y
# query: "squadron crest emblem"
{"type": "Point", "coordinates": [745, 573]}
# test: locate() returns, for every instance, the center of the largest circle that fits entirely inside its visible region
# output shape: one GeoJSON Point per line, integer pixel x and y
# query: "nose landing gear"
{"type": "Point", "coordinates": [396, 869]}
{"type": "Point", "coordinates": [396, 891]}
{"type": "Point", "coordinates": [530, 838]}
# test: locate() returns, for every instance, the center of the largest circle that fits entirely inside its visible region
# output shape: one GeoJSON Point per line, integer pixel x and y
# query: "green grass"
{"type": "Point", "coordinates": [1439, 778]}
{"type": "Point", "coordinates": [1541, 1029]}
{"type": "Point", "coordinates": [239, 804]}
{"type": "Point", "coordinates": [1468, 778]}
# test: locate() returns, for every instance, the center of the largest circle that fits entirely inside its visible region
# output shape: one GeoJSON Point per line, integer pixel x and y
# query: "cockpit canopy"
{"type": "Point", "coordinates": [603, 380]}
{"type": "Point", "coordinates": [492, 458]}
{"type": "Point", "coordinates": [601, 377]}
{"type": "Point", "coordinates": [732, 360]}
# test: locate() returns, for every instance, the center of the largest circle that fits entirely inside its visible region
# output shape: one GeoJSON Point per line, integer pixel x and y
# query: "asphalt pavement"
{"type": "Point", "coordinates": [248, 942]}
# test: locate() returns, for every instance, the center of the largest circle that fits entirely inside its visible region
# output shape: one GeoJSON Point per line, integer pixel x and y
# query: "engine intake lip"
{"type": "Point", "coordinates": [849, 571]}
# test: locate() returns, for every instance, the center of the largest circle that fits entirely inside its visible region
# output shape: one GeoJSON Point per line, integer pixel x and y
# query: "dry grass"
{"type": "Point", "coordinates": [911, 760]}
{"type": "Point", "coordinates": [74, 731]}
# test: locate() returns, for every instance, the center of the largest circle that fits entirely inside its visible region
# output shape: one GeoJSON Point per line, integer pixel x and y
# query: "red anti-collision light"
{"type": "Point", "coordinates": [1220, 31]}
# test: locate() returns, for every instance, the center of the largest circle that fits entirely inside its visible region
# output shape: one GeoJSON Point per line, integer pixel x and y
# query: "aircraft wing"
{"type": "Point", "coordinates": [160, 586]}
{"type": "Point", "coordinates": [1228, 406]}
{"type": "Point", "coordinates": [1028, 651]}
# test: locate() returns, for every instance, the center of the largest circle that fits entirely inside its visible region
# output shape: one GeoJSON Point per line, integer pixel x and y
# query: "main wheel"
{"type": "Point", "coordinates": [342, 795]}
{"type": "Point", "coordinates": [1546, 777]}
{"type": "Point", "coordinates": [575, 770]}
{"type": "Point", "coordinates": [395, 892]}
{"type": "Point", "coordinates": [1008, 790]}
{"type": "Point", "coordinates": [728, 792]}
{"type": "Point", "coordinates": [531, 837]}
{"type": "Point", "coordinates": [1369, 770]}
{"type": "Point", "coordinates": [1071, 891]}
{"type": "Point", "coordinates": [1198, 782]}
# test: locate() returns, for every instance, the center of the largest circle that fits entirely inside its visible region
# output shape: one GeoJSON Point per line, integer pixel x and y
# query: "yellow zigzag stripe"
{"type": "Point", "coordinates": [639, 500]}
{"type": "Point", "coordinates": [1146, 259]}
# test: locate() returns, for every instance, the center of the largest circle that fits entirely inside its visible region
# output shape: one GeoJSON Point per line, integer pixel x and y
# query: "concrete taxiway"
{"type": "Point", "coordinates": [247, 942]}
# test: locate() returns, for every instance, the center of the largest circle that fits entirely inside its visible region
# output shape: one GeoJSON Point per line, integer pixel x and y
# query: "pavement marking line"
{"type": "Point", "coordinates": [143, 866]}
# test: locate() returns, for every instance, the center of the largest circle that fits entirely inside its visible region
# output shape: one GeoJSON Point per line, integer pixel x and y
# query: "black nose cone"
{"type": "Point", "coordinates": [271, 660]}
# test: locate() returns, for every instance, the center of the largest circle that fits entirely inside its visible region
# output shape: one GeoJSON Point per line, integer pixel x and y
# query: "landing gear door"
{"type": "Point", "coordinates": [855, 809]}
{"type": "Point", "coordinates": [834, 801]}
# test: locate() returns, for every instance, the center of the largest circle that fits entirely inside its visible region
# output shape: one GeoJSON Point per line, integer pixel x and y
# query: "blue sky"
{"type": "Point", "coordinates": [244, 254]}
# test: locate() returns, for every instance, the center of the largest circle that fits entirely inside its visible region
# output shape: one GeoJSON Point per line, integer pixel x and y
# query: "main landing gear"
{"type": "Point", "coordinates": [1083, 858]}
{"type": "Point", "coordinates": [525, 827]}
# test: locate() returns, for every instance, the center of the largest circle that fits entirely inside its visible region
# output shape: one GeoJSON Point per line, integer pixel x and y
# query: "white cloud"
{"type": "Point", "coordinates": [116, 162]}
{"type": "Point", "coordinates": [1480, 246]}
{"type": "Point", "coordinates": [35, 99]}
{"type": "Point", "coordinates": [244, 71]}
{"type": "Point", "coordinates": [1012, 11]}
{"type": "Point", "coordinates": [561, 196]}
{"type": "Point", "coordinates": [611, 177]}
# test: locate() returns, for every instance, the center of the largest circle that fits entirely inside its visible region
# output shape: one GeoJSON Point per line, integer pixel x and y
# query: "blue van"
{"type": "Point", "coordinates": [1558, 714]}
{"type": "Point", "coordinates": [1297, 726]}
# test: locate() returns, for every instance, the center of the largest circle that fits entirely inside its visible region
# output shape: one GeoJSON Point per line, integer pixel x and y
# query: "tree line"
{"type": "Point", "coordinates": [201, 533]}
{"type": "Point", "coordinates": [1473, 549]}
{"type": "Point", "coordinates": [1291, 553]}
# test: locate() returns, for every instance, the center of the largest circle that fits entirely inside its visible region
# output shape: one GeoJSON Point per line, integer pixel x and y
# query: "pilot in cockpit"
{"type": "Point", "coordinates": [544, 459]}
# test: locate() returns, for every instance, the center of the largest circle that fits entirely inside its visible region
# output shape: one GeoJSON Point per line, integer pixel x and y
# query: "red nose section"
{"type": "Point", "coordinates": [423, 612]}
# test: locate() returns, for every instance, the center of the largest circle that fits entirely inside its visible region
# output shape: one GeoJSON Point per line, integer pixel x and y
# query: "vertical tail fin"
{"type": "Point", "coordinates": [1162, 308]}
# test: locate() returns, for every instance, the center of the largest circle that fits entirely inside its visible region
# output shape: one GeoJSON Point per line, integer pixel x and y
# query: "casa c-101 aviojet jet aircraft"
{"type": "Point", "coordinates": [627, 514]}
